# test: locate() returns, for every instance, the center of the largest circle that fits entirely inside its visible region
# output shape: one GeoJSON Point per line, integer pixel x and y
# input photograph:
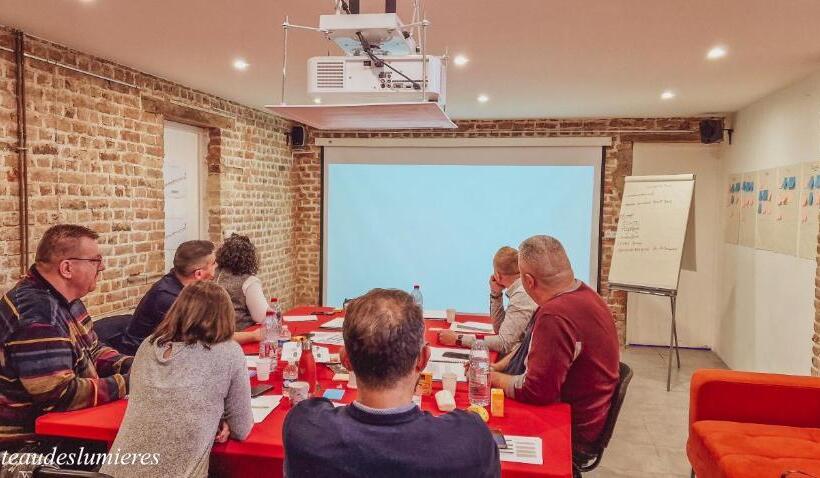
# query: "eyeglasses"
{"type": "Point", "coordinates": [98, 260]}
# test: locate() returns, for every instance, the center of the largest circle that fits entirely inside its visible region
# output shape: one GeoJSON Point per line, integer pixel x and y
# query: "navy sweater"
{"type": "Point", "coordinates": [323, 441]}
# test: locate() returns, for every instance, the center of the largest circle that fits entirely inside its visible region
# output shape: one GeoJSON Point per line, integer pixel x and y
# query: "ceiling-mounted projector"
{"type": "Point", "coordinates": [345, 79]}
{"type": "Point", "coordinates": [385, 80]}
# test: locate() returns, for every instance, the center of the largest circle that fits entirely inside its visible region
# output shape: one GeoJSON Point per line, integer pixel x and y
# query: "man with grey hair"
{"type": "Point", "coordinates": [570, 350]}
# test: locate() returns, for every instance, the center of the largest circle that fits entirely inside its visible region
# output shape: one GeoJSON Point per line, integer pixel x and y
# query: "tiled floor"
{"type": "Point", "coordinates": [650, 436]}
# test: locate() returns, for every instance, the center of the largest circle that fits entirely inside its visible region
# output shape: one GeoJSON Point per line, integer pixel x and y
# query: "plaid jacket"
{"type": "Point", "coordinates": [50, 358]}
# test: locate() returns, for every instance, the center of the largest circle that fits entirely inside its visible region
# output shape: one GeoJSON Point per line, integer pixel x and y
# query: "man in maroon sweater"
{"type": "Point", "coordinates": [570, 350]}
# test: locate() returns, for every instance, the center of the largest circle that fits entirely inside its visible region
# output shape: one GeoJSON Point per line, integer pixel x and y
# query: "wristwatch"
{"type": "Point", "coordinates": [458, 340]}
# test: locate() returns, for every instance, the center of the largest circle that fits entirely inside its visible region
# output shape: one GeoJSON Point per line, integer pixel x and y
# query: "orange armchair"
{"type": "Point", "coordinates": [750, 425]}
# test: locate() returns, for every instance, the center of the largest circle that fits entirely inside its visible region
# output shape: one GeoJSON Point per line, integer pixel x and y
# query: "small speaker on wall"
{"type": "Point", "coordinates": [297, 136]}
{"type": "Point", "coordinates": [711, 131]}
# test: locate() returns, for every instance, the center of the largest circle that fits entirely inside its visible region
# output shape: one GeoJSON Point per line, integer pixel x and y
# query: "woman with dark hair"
{"type": "Point", "coordinates": [189, 388]}
{"type": "Point", "coordinates": [238, 263]}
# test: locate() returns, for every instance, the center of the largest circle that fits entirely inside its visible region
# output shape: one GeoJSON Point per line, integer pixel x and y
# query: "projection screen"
{"type": "Point", "coordinates": [433, 212]}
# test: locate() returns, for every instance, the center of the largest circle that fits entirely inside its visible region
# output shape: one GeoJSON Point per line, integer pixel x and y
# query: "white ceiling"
{"type": "Point", "coordinates": [533, 58]}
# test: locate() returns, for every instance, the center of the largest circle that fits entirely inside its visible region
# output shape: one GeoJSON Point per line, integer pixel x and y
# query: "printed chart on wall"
{"type": "Point", "coordinates": [748, 209]}
{"type": "Point", "coordinates": [731, 208]}
{"type": "Point", "coordinates": [809, 208]}
{"type": "Point", "coordinates": [766, 223]}
{"type": "Point", "coordinates": [785, 210]}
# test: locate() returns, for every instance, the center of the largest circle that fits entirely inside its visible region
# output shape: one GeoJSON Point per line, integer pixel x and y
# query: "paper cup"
{"type": "Point", "coordinates": [448, 382]}
{"type": "Point", "coordinates": [298, 391]}
{"type": "Point", "coordinates": [451, 316]}
{"type": "Point", "coordinates": [263, 366]}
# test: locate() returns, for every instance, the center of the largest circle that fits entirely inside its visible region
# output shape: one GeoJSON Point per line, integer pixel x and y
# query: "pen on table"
{"type": "Point", "coordinates": [471, 327]}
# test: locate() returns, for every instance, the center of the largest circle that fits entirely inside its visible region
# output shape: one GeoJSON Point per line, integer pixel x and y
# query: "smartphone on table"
{"type": "Point", "coordinates": [499, 439]}
{"type": "Point", "coordinates": [257, 390]}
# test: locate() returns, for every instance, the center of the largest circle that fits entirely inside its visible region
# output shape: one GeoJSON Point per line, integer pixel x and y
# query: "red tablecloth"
{"type": "Point", "coordinates": [261, 454]}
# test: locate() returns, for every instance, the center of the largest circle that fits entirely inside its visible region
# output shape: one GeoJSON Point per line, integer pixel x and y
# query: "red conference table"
{"type": "Point", "coordinates": [261, 454]}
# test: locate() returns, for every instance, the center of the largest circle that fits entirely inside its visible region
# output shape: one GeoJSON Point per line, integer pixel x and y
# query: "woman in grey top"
{"type": "Point", "coordinates": [238, 264]}
{"type": "Point", "coordinates": [189, 388]}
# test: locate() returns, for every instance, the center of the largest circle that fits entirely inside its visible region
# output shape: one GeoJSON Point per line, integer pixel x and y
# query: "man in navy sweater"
{"type": "Point", "coordinates": [383, 433]}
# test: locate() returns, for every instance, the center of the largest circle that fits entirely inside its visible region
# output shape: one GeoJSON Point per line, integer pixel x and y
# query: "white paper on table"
{"type": "Point", "coordinates": [472, 328]}
{"type": "Point", "coordinates": [523, 450]}
{"type": "Point", "coordinates": [437, 355]}
{"type": "Point", "coordinates": [290, 351]}
{"type": "Point", "coordinates": [321, 354]}
{"type": "Point", "coordinates": [435, 314]}
{"type": "Point", "coordinates": [299, 318]}
{"type": "Point", "coordinates": [262, 406]}
{"type": "Point", "coordinates": [438, 368]}
{"type": "Point", "coordinates": [333, 324]}
{"type": "Point", "coordinates": [327, 338]}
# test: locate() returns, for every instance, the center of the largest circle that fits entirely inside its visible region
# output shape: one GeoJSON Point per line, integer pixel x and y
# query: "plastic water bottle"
{"type": "Point", "coordinates": [479, 392]}
{"type": "Point", "coordinates": [290, 373]}
{"type": "Point", "coordinates": [284, 336]}
{"type": "Point", "coordinates": [268, 347]}
{"type": "Point", "coordinates": [417, 296]}
{"type": "Point", "coordinates": [277, 312]}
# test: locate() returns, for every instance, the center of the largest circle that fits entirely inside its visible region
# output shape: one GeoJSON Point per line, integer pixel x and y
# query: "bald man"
{"type": "Point", "coordinates": [570, 349]}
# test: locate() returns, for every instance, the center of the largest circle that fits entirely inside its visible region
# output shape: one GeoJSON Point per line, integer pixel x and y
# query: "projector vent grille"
{"type": "Point", "coordinates": [330, 74]}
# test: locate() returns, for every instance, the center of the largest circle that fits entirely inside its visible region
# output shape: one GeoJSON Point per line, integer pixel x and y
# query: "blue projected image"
{"type": "Point", "coordinates": [439, 225]}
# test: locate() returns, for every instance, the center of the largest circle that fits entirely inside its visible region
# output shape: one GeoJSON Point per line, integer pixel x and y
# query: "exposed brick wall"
{"type": "Point", "coordinates": [96, 154]}
{"type": "Point", "coordinates": [618, 164]}
{"type": "Point", "coordinates": [307, 220]}
{"type": "Point", "coordinates": [9, 232]}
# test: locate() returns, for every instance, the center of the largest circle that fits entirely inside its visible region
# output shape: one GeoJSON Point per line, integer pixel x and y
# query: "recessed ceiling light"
{"type": "Point", "coordinates": [716, 52]}
{"type": "Point", "coordinates": [667, 95]}
{"type": "Point", "coordinates": [317, 100]}
{"type": "Point", "coordinates": [240, 64]}
{"type": "Point", "coordinates": [483, 98]}
{"type": "Point", "coordinates": [461, 60]}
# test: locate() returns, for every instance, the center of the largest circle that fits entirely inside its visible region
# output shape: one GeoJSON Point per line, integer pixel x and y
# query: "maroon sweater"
{"type": "Point", "coordinates": [571, 356]}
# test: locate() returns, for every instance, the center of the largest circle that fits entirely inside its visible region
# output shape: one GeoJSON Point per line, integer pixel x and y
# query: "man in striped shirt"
{"type": "Point", "coordinates": [50, 358]}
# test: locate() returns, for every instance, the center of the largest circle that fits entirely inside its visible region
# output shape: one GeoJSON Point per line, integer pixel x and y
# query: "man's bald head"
{"type": "Point", "coordinates": [544, 259]}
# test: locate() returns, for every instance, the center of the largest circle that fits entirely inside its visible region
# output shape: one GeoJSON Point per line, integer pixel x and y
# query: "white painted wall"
{"type": "Point", "coordinates": [649, 317]}
{"type": "Point", "coordinates": [766, 299]}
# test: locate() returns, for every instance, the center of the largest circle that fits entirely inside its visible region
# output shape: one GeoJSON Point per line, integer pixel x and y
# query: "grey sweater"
{"type": "Point", "coordinates": [175, 406]}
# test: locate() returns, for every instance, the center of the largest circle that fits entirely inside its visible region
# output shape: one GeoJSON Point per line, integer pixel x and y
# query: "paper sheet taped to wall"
{"type": "Point", "coordinates": [809, 207]}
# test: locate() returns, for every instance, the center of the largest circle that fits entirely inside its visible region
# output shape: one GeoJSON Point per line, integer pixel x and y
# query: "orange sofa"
{"type": "Point", "coordinates": [751, 425]}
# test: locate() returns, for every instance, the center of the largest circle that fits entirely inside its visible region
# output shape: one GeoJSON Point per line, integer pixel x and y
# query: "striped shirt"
{"type": "Point", "coordinates": [50, 358]}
